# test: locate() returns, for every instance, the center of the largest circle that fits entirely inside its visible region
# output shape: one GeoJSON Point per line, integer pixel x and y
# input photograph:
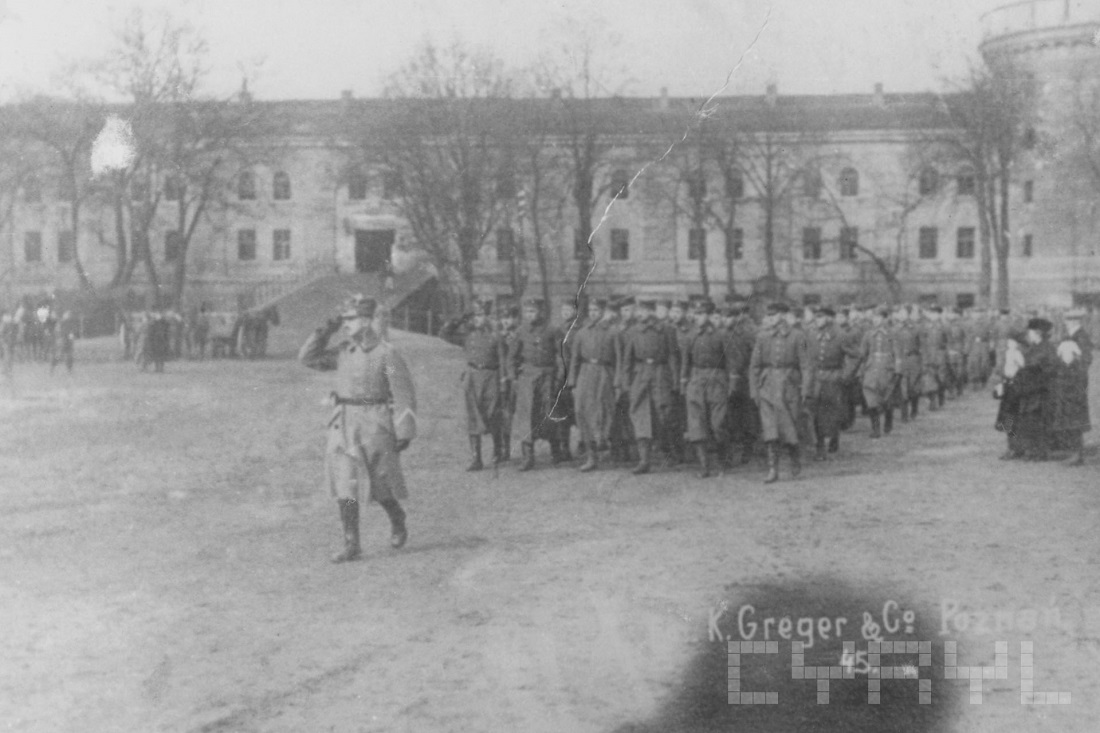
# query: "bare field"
{"type": "Point", "coordinates": [164, 543]}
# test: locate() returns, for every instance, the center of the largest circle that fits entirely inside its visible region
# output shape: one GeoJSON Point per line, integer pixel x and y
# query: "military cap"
{"type": "Point", "coordinates": [359, 306]}
{"type": "Point", "coordinates": [1039, 324]}
{"type": "Point", "coordinates": [600, 303]}
{"type": "Point", "coordinates": [1074, 314]}
{"type": "Point", "coordinates": [778, 306]}
{"type": "Point", "coordinates": [826, 311]}
{"type": "Point", "coordinates": [1005, 312]}
{"type": "Point", "coordinates": [614, 304]}
{"type": "Point", "coordinates": [934, 309]}
{"type": "Point", "coordinates": [647, 303]}
{"type": "Point", "coordinates": [704, 305]}
{"type": "Point", "coordinates": [627, 300]}
{"type": "Point", "coordinates": [483, 307]}
{"type": "Point", "coordinates": [883, 310]}
{"type": "Point", "coordinates": [536, 303]}
{"type": "Point", "coordinates": [736, 307]}
{"type": "Point", "coordinates": [664, 302]}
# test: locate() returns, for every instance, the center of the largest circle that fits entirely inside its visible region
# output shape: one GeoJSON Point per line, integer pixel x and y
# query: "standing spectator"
{"type": "Point", "coordinates": [882, 358]}
{"type": "Point", "coordinates": [64, 337]}
{"type": "Point", "coordinates": [158, 341]}
{"type": "Point", "coordinates": [534, 365]}
{"type": "Point", "coordinates": [829, 401]}
{"type": "Point", "coordinates": [704, 378]}
{"type": "Point", "coordinates": [1034, 384]}
{"type": "Point", "coordinates": [593, 369]}
{"type": "Point", "coordinates": [650, 370]}
{"type": "Point", "coordinates": [1071, 387]}
{"type": "Point", "coordinates": [1012, 361]}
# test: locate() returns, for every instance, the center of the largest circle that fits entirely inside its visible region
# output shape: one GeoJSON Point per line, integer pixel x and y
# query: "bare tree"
{"type": "Point", "coordinates": [444, 138]}
{"type": "Point", "coordinates": [990, 122]}
{"type": "Point", "coordinates": [721, 152]}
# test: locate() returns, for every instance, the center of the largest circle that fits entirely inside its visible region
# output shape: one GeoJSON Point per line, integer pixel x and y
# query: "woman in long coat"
{"type": "Point", "coordinates": [1070, 394]}
{"type": "Point", "coordinates": [1008, 394]}
{"type": "Point", "coordinates": [1034, 384]}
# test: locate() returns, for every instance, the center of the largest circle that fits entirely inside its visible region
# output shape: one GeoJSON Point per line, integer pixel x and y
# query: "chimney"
{"type": "Point", "coordinates": [880, 98]}
{"type": "Point", "coordinates": [346, 95]}
{"type": "Point", "coordinates": [663, 104]}
{"type": "Point", "coordinates": [772, 94]}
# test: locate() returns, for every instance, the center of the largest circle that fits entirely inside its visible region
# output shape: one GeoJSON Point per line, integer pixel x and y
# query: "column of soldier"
{"type": "Point", "coordinates": [649, 382]}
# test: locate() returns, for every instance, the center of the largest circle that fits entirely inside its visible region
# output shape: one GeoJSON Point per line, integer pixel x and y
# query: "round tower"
{"type": "Point", "coordinates": [1055, 216]}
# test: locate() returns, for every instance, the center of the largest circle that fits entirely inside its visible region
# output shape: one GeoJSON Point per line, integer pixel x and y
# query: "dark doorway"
{"type": "Point", "coordinates": [372, 249]}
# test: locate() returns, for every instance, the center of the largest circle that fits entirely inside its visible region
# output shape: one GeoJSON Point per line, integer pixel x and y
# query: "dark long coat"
{"type": "Point", "coordinates": [1070, 392]}
{"type": "Point", "coordinates": [534, 363]}
{"type": "Point", "coordinates": [780, 374]}
{"type": "Point", "coordinates": [829, 405]}
{"type": "Point", "coordinates": [650, 370]}
{"type": "Point", "coordinates": [1034, 384]}
{"type": "Point", "coordinates": [882, 361]}
{"type": "Point", "coordinates": [485, 357]}
{"type": "Point", "coordinates": [705, 367]}
{"type": "Point", "coordinates": [592, 374]}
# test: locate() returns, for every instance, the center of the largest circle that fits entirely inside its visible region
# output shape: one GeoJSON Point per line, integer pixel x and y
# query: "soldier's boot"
{"type": "Point", "coordinates": [398, 534]}
{"type": "Point", "coordinates": [505, 445]}
{"type": "Point", "coordinates": [563, 448]}
{"type": "Point", "coordinates": [819, 452]}
{"type": "Point", "coordinates": [888, 421]}
{"type": "Point", "coordinates": [528, 456]}
{"type": "Point", "coordinates": [498, 445]}
{"type": "Point", "coordinates": [875, 430]}
{"type": "Point", "coordinates": [704, 460]}
{"type": "Point", "coordinates": [475, 454]}
{"type": "Point", "coordinates": [590, 463]}
{"type": "Point", "coordinates": [904, 411]}
{"type": "Point", "coordinates": [942, 396]}
{"type": "Point", "coordinates": [932, 406]}
{"type": "Point", "coordinates": [349, 517]}
{"type": "Point", "coordinates": [643, 457]}
{"type": "Point", "coordinates": [773, 462]}
{"type": "Point", "coordinates": [1077, 457]}
{"type": "Point", "coordinates": [555, 451]}
{"type": "Point", "coordinates": [724, 456]}
{"type": "Point", "coordinates": [796, 459]}
{"type": "Point", "coordinates": [914, 406]}
{"type": "Point", "coordinates": [834, 444]}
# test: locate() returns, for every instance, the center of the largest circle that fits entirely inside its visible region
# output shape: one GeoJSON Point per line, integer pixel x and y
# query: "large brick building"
{"type": "Point", "coordinates": [862, 204]}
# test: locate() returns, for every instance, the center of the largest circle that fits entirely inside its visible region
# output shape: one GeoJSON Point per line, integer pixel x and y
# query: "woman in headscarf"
{"type": "Point", "coordinates": [1034, 382]}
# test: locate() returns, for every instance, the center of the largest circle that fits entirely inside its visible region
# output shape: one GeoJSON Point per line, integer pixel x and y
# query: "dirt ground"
{"type": "Point", "coordinates": [164, 544]}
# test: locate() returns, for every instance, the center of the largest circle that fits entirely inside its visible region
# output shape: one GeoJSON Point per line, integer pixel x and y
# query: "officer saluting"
{"type": "Point", "coordinates": [373, 420]}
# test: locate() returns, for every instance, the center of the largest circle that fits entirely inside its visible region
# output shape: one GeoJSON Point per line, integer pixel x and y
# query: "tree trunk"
{"type": "Point", "coordinates": [1004, 239]}
{"type": "Point", "coordinates": [121, 240]}
{"type": "Point", "coordinates": [74, 218]}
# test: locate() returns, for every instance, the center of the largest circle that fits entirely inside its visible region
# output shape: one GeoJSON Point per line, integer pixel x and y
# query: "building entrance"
{"type": "Point", "coordinates": [372, 249]}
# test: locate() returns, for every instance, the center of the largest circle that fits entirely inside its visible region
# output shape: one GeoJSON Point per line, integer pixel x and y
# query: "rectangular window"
{"type": "Point", "coordinates": [32, 247]}
{"type": "Point", "coordinates": [66, 247]}
{"type": "Point", "coordinates": [811, 243]}
{"type": "Point", "coordinates": [964, 300]}
{"type": "Point", "coordinates": [811, 299]}
{"type": "Point", "coordinates": [964, 247]}
{"type": "Point", "coordinates": [929, 243]}
{"type": "Point", "coordinates": [391, 184]}
{"type": "Point", "coordinates": [1027, 245]}
{"type": "Point", "coordinates": [280, 245]}
{"type": "Point", "coordinates": [171, 246]}
{"type": "Point", "coordinates": [246, 244]}
{"type": "Point", "coordinates": [357, 186]}
{"type": "Point", "coordinates": [736, 242]}
{"type": "Point", "coordinates": [1029, 191]}
{"type": "Point", "coordinates": [620, 244]}
{"type": "Point", "coordinates": [506, 243]}
{"type": "Point", "coordinates": [697, 244]}
{"type": "Point", "coordinates": [849, 240]}
{"type": "Point", "coordinates": [966, 184]}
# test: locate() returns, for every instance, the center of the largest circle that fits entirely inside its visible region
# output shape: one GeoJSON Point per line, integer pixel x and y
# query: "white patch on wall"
{"type": "Point", "coordinates": [113, 148]}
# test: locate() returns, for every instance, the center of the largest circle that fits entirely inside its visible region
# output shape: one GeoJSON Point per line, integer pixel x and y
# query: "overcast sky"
{"type": "Point", "coordinates": [316, 48]}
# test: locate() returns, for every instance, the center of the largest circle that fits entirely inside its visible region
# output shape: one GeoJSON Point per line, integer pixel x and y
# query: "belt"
{"type": "Point", "coordinates": [597, 361]}
{"type": "Point", "coordinates": [484, 367]}
{"type": "Point", "coordinates": [653, 362]}
{"type": "Point", "coordinates": [358, 401]}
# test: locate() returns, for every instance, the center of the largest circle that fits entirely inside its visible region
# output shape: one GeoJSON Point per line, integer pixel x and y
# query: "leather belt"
{"type": "Point", "coordinates": [653, 362]}
{"type": "Point", "coordinates": [597, 361]}
{"type": "Point", "coordinates": [358, 401]}
{"type": "Point", "coordinates": [484, 367]}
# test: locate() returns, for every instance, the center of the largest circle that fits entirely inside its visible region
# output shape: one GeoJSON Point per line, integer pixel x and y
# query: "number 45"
{"type": "Point", "coordinates": [855, 663]}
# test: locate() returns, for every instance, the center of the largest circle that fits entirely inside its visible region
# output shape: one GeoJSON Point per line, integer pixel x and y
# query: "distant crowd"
{"type": "Point", "coordinates": [652, 382]}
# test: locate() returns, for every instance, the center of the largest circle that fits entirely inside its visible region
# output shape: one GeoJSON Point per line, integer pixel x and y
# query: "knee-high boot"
{"type": "Point", "coordinates": [349, 518]}
{"type": "Point", "coordinates": [704, 459]}
{"type": "Point", "coordinates": [475, 454]}
{"type": "Point", "coordinates": [888, 421]}
{"type": "Point", "coordinates": [399, 535]}
{"type": "Point", "coordinates": [773, 462]}
{"type": "Point", "coordinates": [875, 429]}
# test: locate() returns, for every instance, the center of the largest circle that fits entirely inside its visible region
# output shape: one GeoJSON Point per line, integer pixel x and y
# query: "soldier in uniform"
{"type": "Point", "coordinates": [933, 358]}
{"type": "Point", "coordinates": [649, 371]}
{"type": "Point", "coordinates": [781, 378]}
{"type": "Point", "coordinates": [956, 349]}
{"type": "Point", "coordinates": [593, 368]}
{"type": "Point", "coordinates": [848, 323]}
{"type": "Point", "coordinates": [682, 330]}
{"type": "Point", "coordinates": [622, 431]}
{"type": "Point", "coordinates": [534, 365]}
{"type": "Point", "coordinates": [482, 379]}
{"type": "Point", "coordinates": [829, 403]}
{"type": "Point", "coordinates": [978, 345]}
{"type": "Point", "coordinates": [741, 414]}
{"type": "Point", "coordinates": [509, 333]}
{"type": "Point", "coordinates": [909, 385]}
{"type": "Point", "coordinates": [65, 337]}
{"type": "Point", "coordinates": [882, 359]}
{"type": "Point", "coordinates": [563, 414]}
{"type": "Point", "coordinates": [704, 378]}
{"type": "Point", "coordinates": [373, 420]}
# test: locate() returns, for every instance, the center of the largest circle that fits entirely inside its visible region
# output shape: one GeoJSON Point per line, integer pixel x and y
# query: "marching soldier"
{"type": "Point", "coordinates": [593, 368]}
{"type": "Point", "coordinates": [509, 332]}
{"type": "Point", "coordinates": [882, 364]}
{"type": "Point", "coordinates": [650, 368]}
{"type": "Point", "coordinates": [848, 322]}
{"type": "Point", "coordinates": [742, 414]}
{"type": "Point", "coordinates": [781, 378]}
{"type": "Point", "coordinates": [934, 359]}
{"type": "Point", "coordinates": [564, 415]}
{"type": "Point", "coordinates": [534, 364]}
{"type": "Point", "coordinates": [682, 329]}
{"type": "Point", "coordinates": [979, 341]}
{"type": "Point", "coordinates": [622, 431]}
{"type": "Point", "coordinates": [482, 379]}
{"type": "Point", "coordinates": [705, 382]}
{"type": "Point", "coordinates": [829, 400]}
{"type": "Point", "coordinates": [956, 350]}
{"type": "Point", "coordinates": [374, 420]}
{"type": "Point", "coordinates": [65, 337]}
{"type": "Point", "coordinates": [909, 384]}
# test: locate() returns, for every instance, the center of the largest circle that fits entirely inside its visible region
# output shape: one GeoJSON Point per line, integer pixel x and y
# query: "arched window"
{"type": "Point", "coordinates": [735, 185]}
{"type": "Point", "coordinates": [811, 182]}
{"type": "Point", "coordinates": [246, 186]}
{"type": "Point", "coordinates": [32, 190]}
{"type": "Point", "coordinates": [280, 186]}
{"type": "Point", "coordinates": [929, 181]}
{"type": "Point", "coordinates": [357, 185]}
{"type": "Point", "coordinates": [620, 184]}
{"type": "Point", "coordinates": [849, 182]}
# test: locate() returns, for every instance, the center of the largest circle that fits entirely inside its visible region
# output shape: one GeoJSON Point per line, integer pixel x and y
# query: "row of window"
{"type": "Point", "coordinates": [246, 245]}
